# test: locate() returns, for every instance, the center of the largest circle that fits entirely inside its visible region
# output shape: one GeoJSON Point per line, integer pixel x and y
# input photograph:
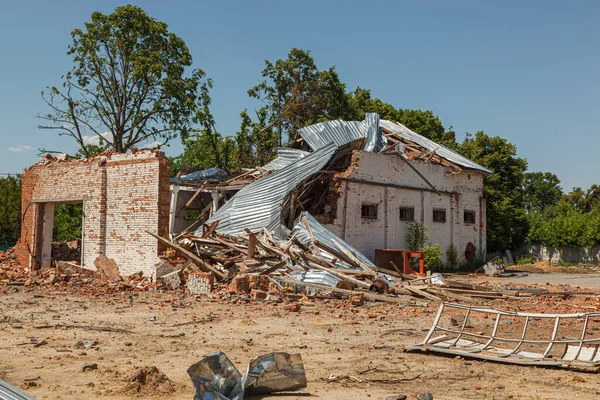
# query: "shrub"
{"type": "Point", "coordinates": [417, 235]}
{"type": "Point", "coordinates": [452, 256]}
{"type": "Point", "coordinates": [524, 259]}
{"type": "Point", "coordinates": [432, 257]}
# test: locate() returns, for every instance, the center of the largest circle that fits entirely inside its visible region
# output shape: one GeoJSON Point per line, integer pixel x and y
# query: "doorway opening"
{"type": "Point", "coordinates": [60, 233]}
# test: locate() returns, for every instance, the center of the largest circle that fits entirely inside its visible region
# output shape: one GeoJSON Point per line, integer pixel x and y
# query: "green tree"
{"type": "Point", "coordinates": [503, 190]}
{"type": "Point", "coordinates": [129, 79]}
{"type": "Point", "coordinates": [295, 93]}
{"type": "Point", "coordinates": [428, 124]}
{"type": "Point", "coordinates": [205, 150]}
{"type": "Point", "coordinates": [68, 219]}
{"type": "Point", "coordinates": [10, 208]}
{"type": "Point", "coordinates": [540, 190]}
{"type": "Point", "coordinates": [256, 144]}
{"type": "Point", "coordinates": [425, 123]}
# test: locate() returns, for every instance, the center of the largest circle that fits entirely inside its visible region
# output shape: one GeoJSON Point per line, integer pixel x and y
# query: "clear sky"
{"type": "Point", "coordinates": [528, 71]}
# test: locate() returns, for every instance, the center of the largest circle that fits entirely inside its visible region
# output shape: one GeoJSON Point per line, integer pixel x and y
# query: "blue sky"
{"type": "Point", "coordinates": [524, 70]}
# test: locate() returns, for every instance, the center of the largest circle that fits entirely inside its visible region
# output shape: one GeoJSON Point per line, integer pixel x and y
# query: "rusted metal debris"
{"type": "Point", "coordinates": [552, 340]}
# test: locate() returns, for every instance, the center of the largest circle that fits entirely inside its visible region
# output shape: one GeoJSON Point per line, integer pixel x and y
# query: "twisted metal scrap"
{"type": "Point", "coordinates": [216, 378]}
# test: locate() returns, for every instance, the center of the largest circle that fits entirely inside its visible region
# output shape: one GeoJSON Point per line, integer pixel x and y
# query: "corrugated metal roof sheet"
{"type": "Point", "coordinates": [285, 156]}
{"type": "Point", "coordinates": [258, 205]}
{"type": "Point", "coordinates": [338, 132]}
{"type": "Point", "coordinates": [430, 145]}
{"type": "Point", "coordinates": [325, 236]}
{"type": "Point", "coordinates": [342, 132]}
{"type": "Point", "coordinates": [9, 392]}
{"type": "Point", "coordinates": [314, 276]}
{"type": "Point", "coordinates": [376, 140]}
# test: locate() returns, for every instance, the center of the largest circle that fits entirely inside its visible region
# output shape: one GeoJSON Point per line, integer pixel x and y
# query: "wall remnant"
{"type": "Point", "coordinates": [123, 196]}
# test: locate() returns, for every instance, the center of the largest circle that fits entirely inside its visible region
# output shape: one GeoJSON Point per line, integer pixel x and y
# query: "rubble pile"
{"type": "Point", "coordinates": [149, 381]}
{"type": "Point", "coordinates": [10, 269]}
{"type": "Point", "coordinates": [259, 267]}
{"type": "Point", "coordinates": [66, 251]}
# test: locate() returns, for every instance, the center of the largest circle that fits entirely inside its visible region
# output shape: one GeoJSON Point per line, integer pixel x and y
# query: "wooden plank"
{"type": "Point", "coordinates": [368, 296]}
{"type": "Point", "coordinates": [352, 256]}
{"type": "Point", "coordinates": [314, 264]}
{"type": "Point", "coordinates": [210, 229]}
{"type": "Point", "coordinates": [251, 245]}
{"type": "Point", "coordinates": [231, 246]}
{"type": "Point", "coordinates": [387, 272]}
{"type": "Point", "coordinates": [269, 249]}
{"type": "Point", "coordinates": [450, 295]}
{"type": "Point", "coordinates": [273, 268]}
{"type": "Point", "coordinates": [190, 256]}
{"type": "Point", "coordinates": [336, 253]}
{"type": "Point", "coordinates": [191, 200]}
{"type": "Point", "coordinates": [422, 293]}
{"type": "Point", "coordinates": [310, 234]}
{"type": "Point", "coordinates": [241, 176]}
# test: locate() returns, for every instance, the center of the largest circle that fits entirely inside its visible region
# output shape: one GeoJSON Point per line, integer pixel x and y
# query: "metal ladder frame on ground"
{"type": "Point", "coordinates": [578, 353]}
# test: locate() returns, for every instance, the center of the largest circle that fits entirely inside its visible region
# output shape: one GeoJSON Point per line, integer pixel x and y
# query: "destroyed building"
{"type": "Point", "coordinates": [123, 196]}
{"type": "Point", "coordinates": [364, 181]}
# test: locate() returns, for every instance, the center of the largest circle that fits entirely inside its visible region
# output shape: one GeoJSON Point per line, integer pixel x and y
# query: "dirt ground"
{"type": "Point", "coordinates": [333, 338]}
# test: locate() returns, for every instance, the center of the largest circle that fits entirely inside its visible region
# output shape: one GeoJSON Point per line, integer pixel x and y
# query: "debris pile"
{"type": "Point", "coordinates": [66, 251]}
{"type": "Point", "coordinates": [312, 262]}
{"type": "Point", "coordinates": [149, 381]}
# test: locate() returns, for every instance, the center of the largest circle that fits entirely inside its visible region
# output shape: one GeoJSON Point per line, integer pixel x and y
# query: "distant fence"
{"type": "Point", "coordinates": [6, 245]}
{"type": "Point", "coordinates": [557, 255]}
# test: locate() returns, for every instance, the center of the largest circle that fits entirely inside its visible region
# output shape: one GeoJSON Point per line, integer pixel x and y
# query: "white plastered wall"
{"type": "Point", "coordinates": [388, 182]}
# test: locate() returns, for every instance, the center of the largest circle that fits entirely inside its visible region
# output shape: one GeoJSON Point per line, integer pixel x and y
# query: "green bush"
{"type": "Point", "coordinates": [417, 235]}
{"type": "Point", "coordinates": [525, 259]}
{"type": "Point", "coordinates": [432, 257]}
{"type": "Point", "coordinates": [452, 256]}
{"type": "Point", "coordinates": [572, 228]}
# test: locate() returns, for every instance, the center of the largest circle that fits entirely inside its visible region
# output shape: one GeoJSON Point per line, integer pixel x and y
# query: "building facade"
{"type": "Point", "coordinates": [381, 195]}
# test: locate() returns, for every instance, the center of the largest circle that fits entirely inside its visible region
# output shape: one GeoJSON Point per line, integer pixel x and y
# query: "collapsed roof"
{"type": "Point", "coordinates": [259, 204]}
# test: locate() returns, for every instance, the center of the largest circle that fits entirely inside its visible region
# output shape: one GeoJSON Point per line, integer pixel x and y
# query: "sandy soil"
{"type": "Point", "coordinates": [333, 338]}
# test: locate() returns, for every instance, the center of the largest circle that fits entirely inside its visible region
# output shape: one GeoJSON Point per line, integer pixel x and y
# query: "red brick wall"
{"type": "Point", "coordinates": [123, 195]}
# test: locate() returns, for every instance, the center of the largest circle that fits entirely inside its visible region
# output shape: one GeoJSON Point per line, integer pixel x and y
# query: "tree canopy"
{"type": "Point", "coordinates": [540, 190]}
{"type": "Point", "coordinates": [128, 84]}
{"type": "Point", "coordinates": [10, 208]}
{"type": "Point", "coordinates": [506, 223]}
{"type": "Point", "coordinates": [295, 93]}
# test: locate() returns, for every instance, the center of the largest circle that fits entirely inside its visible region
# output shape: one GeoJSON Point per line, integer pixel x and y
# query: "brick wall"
{"type": "Point", "coordinates": [389, 183]}
{"type": "Point", "coordinates": [123, 195]}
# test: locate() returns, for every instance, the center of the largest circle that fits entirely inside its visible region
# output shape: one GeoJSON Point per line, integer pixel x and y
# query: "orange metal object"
{"type": "Point", "coordinates": [401, 258]}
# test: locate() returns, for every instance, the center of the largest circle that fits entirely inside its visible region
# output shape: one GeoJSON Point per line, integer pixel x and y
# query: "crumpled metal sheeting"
{"type": "Point", "coordinates": [343, 132]}
{"type": "Point", "coordinates": [430, 145]}
{"type": "Point", "coordinates": [338, 132]}
{"type": "Point", "coordinates": [325, 236]}
{"type": "Point", "coordinates": [314, 276]}
{"type": "Point", "coordinates": [258, 205]}
{"type": "Point", "coordinates": [376, 140]}
{"type": "Point", "coordinates": [9, 392]}
{"type": "Point", "coordinates": [216, 378]}
{"type": "Point", "coordinates": [275, 372]}
{"type": "Point", "coordinates": [209, 175]}
{"type": "Point", "coordinates": [285, 156]}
